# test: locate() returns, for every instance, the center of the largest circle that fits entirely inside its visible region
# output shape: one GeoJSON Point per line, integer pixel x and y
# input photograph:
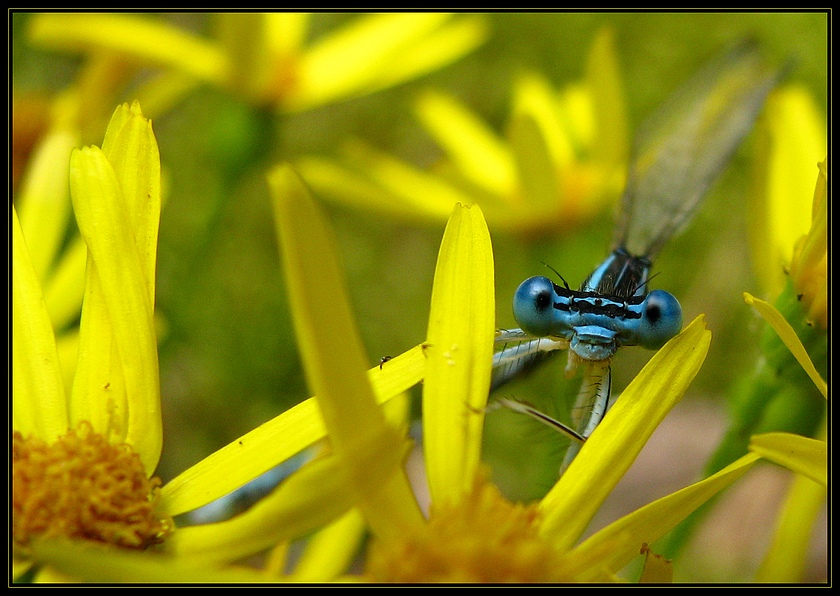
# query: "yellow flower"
{"type": "Point", "coordinates": [561, 161]}
{"type": "Point", "coordinates": [108, 429]}
{"type": "Point", "coordinates": [790, 141]}
{"type": "Point", "coordinates": [473, 534]}
{"type": "Point", "coordinates": [264, 57]}
{"type": "Point", "coordinates": [83, 458]}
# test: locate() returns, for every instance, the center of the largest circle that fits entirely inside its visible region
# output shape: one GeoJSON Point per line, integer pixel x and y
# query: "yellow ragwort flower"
{"type": "Point", "coordinates": [561, 161]}
{"type": "Point", "coordinates": [473, 534]}
{"type": "Point", "coordinates": [265, 57]}
{"type": "Point", "coordinates": [82, 462]}
{"type": "Point", "coordinates": [83, 458]}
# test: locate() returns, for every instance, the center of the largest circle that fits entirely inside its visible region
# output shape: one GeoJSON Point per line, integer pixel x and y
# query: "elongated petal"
{"type": "Point", "coordinates": [459, 348]}
{"type": "Point", "coordinates": [537, 174]}
{"type": "Point", "coordinates": [793, 139]}
{"type": "Point", "coordinates": [80, 560]}
{"type": "Point", "coordinates": [442, 46]}
{"type": "Point", "coordinates": [786, 558]}
{"type": "Point", "coordinates": [789, 337]}
{"type": "Point", "coordinates": [144, 39]}
{"type": "Point", "coordinates": [330, 345]}
{"type": "Point", "coordinates": [381, 183]}
{"type": "Point", "coordinates": [329, 553]}
{"type": "Point", "coordinates": [376, 51]}
{"type": "Point", "coordinates": [39, 405]}
{"type": "Point", "coordinates": [610, 147]}
{"type": "Point", "coordinates": [132, 150]}
{"type": "Point", "coordinates": [536, 100]}
{"type": "Point", "coordinates": [474, 148]}
{"type": "Point", "coordinates": [614, 445]}
{"type": "Point", "coordinates": [309, 499]}
{"type": "Point", "coordinates": [803, 455]}
{"type": "Point", "coordinates": [44, 200]}
{"type": "Point", "coordinates": [651, 522]}
{"type": "Point", "coordinates": [277, 440]}
{"type": "Point", "coordinates": [117, 383]}
{"type": "Point", "coordinates": [286, 31]}
{"type": "Point", "coordinates": [64, 289]}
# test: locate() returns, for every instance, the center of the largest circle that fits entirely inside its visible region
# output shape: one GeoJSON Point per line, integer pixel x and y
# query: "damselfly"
{"type": "Point", "coordinates": [677, 153]}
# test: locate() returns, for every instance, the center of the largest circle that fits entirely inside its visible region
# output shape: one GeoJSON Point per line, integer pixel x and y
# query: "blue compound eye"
{"type": "Point", "coordinates": [533, 306]}
{"type": "Point", "coordinates": [661, 320]}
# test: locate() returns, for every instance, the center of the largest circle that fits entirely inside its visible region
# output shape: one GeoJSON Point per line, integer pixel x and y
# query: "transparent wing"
{"type": "Point", "coordinates": [680, 150]}
{"type": "Point", "coordinates": [519, 353]}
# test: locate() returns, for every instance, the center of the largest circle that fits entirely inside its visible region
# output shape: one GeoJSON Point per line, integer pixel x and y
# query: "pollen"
{"type": "Point", "coordinates": [483, 539]}
{"type": "Point", "coordinates": [83, 487]}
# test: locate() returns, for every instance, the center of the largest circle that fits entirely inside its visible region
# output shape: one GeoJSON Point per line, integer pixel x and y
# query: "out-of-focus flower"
{"type": "Point", "coordinates": [265, 57]}
{"type": "Point", "coordinates": [561, 161]}
{"type": "Point", "coordinates": [790, 141]}
{"type": "Point", "coordinates": [809, 267]}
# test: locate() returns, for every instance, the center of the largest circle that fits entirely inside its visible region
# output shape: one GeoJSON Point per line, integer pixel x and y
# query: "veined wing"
{"type": "Point", "coordinates": [680, 150]}
{"type": "Point", "coordinates": [520, 353]}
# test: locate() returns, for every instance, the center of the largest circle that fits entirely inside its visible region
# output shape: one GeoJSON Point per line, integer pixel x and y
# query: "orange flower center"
{"type": "Point", "coordinates": [483, 539]}
{"type": "Point", "coordinates": [83, 487]}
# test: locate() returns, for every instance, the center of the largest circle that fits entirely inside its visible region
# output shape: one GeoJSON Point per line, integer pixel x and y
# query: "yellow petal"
{"type": "Point", "coordinates": [459, 349]}
{"type": "Point", "coordinates": [43, 201]}
{"type": "Point", "coordinates": [285, 31]}
{"type": "Point", "coordinates": [536, 170]}
{"type": "Point", "coordinates": [614, 445]}
{"type": "Point", "coordinates": [803, 455]}
{"type": "Point", "coordinates": [371, 179]}
{"type": "Point", "coordinates": [474, 148]}
{"type": "Point", "coordinates": [132, 150]}
{"type": "Point", "coordinates": [63, 290]}
{"type": "Point", "coordinates": [789, 338]}
{"type": "Point", "coordinates": [330, 552]}
{"type": "Point", "coordinates": [117, 383]}
{"type": "Point", "coordinates": [330, 346]}
{"type": "Point", "coordinates": [346, 62]}
{"type": "Point", "coordinates": [786, 558]}
{"type": "Point", "coordinates": [315, 495]}
{"type": "Point", "coordinates": [651, 522]}
{"type": "Point", "coordinates": [610, 146]}
{"type": "Point", "coordinates": [142, 38]}
{"type": "Point", "coordinates": [82, 561]}
{"type": "Point", "coordinates": [793, 140]}
{"type": "Point", "coordinates": [276, 441]}
{"type": "Point", "coordinates": [431, 52]}
{"type": "Point", "coordinates": [39, 406]}
{"type": "Point", "coordinates": [536, 99]}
